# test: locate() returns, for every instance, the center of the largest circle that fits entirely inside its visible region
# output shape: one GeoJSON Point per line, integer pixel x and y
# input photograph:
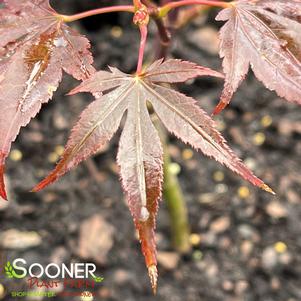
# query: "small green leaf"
{"type": "Point", "coordinates": [9, 270]}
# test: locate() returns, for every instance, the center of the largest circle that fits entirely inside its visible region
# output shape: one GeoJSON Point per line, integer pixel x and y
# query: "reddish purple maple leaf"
{"type": "Point", "coordinates": [266, 35]}
{"type": "Point", "coordinates": [140, 151]}
{"type": "Point", "coordinates": [35, 47]}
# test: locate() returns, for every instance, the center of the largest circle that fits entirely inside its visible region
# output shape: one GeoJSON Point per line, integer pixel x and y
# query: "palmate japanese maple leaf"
{"type": "Point", "coordinates": [265, 34]}
{"type": "Point", "coordinates": [35, 46]}
{"type": "Point", "coordinates": [140, 151]}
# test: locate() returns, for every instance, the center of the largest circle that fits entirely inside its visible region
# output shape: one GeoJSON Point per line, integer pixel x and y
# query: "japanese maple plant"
{"type": "Point", "coordinates": [37, 45]}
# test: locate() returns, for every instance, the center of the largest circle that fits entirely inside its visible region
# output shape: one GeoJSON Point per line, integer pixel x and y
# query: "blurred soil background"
{"type": "Point", "coordinates": [246, 243]}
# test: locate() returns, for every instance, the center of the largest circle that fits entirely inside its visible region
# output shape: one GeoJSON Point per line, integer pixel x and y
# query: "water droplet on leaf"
{"type": "Point", "coordinates": [144, 214]}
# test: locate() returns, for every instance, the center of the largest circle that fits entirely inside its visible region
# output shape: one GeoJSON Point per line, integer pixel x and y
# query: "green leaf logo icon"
{"type": "Point", "coordinates": [9, 270]}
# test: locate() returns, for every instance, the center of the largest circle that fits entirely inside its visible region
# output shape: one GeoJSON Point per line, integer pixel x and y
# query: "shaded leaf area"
{"type": "Point", "coordinates": [35, 47]}
{"type": "Point", "coordinates": [266, 35]}
{"type": "Point", "coordinates": [140, 152]}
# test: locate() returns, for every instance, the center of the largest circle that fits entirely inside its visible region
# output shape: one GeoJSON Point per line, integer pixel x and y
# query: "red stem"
{"type": "Point", "coordinates": [98, 11]}
{"type": "Point", "coordinates": [143, 34]}
{"type": "Point", "coordinates": [176, 4]}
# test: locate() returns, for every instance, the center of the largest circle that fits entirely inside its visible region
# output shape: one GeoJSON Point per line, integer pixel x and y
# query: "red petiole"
{"type": "Point", "coordinates": [171, 5]}
{"type": "Point", "coordinates": [141, 19]}
{"type": "Point", "coordinates": [104, 10]}
{"type": "Point", "coordinates": [143, 34]}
